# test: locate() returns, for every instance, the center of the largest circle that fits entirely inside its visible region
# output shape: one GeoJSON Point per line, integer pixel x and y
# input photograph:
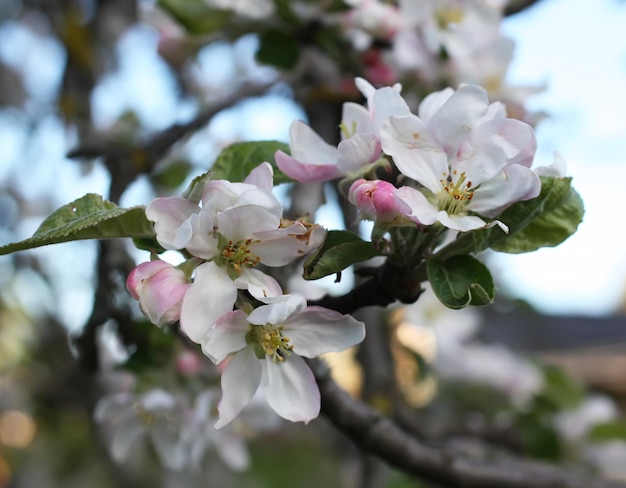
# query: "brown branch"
{"type": "Point", "coordinates": [126, 162]}
{"type": "Point", "coordinates": [447, 466]}
{"type": "Point", "coordinates": [517, 6]}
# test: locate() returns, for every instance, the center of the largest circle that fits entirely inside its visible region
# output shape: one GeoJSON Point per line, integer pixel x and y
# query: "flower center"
{"type": "Point", "coordinates": [456, 194]}
{"type": "Point", "coordinates": [269, 341]}
{"type": "Point", "coordinates": [238, 255]}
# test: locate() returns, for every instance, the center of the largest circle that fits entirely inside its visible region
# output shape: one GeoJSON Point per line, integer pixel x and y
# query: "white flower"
{"type": "Point", "coordinates": [128, 418]}
{"type": "Point", "coordinates": [266, 347]}
{"type": "Point", "coordinates": [314, 160]}
{"type": "Point", "coordinates": [467, 155]}
{"type": "Point", "coordinates": [238, 226]}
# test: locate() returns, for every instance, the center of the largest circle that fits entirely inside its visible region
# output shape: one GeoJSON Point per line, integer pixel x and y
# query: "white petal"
{"type": "Point", "coordinates": [432, 103]}
{"type": "Point", "coordinates": [258, 284]}
{"type": "Point", "coordinates": [280, 246]}
{"type": "Point", "coordinates": [356, 119]}
{"type": "Point", "coordinates": [357, 151]}
{"type": "Point", "coordinates": [416, 154]}
{"type": "Point", "coordinates": [233, 451]}
{"type": "Point", "coordinates": [227, 335]}
{"type": "Point", "coordinates": [168, 214]}
{"type": "Point", "coordinates": [385, 103]}
{"type": "Point", "coordinates": [459, 115]}
{"type": "Point", "coordinates": [262, 176]}
{"type": "Point", "coordinates": [308, 147]}
{"type": "Point", "coordinates": [462, 223]}
{"type": "Point", "coordinates": [278, 310]}
{"type": "Point", "coordinates": [513, 184]}
{"type": "Point", "coordinates": [165, 435]}
{"type": "Point", "coordinates": [290, 389]}
{"type": "Point", "coordinates": [126, 433]}
{"type": "Point", "coordinates": [211, 295]}
{"type": "Point", "coordinates": [420, 209]}
{"type": "Point", "coordinates": [240, 381]}
{"type": "Point", "coordinates": [241, 222]}
{"type": "Point", "coordinates": [318, 330]}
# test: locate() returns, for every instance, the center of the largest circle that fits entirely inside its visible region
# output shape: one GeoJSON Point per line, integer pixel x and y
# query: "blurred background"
{"type": "Point", "coordinates": [92, 94]}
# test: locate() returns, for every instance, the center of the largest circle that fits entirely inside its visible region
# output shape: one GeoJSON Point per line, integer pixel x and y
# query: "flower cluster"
{"type": "Point", "coordinates": [228, 235]}
{"type": "Point", "coordinates": [461, 161]}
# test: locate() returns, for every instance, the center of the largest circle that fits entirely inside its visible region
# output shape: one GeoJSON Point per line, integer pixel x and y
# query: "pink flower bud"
{"type": "Point", "coordinates": [189, 363]}
{"type": "Point", "coordinates": [375, 199]}
{"type": "Point", "coordinates": [159, 288]}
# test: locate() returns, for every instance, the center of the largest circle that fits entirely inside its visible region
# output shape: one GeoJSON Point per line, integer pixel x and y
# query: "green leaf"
{"type": "Point", "coordinates": [460, 281]}
{"type": "Point", "coordinates": [545, 221]}
{"type": "Point", "coordinates": [196, 16]}
{"type": "Point", "coordinates": [89, 217]}
{"type": "Point", "coordinates": [560, 390]}
{"type": "Point", "coordinates": [172, 175]}
{"type": "Point", "coordinates": [607, 431]}
{"type": "Point", "coordinates": [277, 48]}
{"type": "Point", "coordinates": [340, 249]}
{"type": "Point", "coordinates": [237, 160]}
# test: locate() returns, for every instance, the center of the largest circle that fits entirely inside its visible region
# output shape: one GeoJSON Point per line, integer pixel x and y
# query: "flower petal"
{"type": "Point", "coordinates": [415, 206]}
{"type": "Point", "coordinates": [277, 310]}
{"type": "Point", "coordinates": [258, 283]}
{"type": "Point", "coordinates": [318, 330]}
{"type": "Point", "coordinates": [416, 154]}
{"type": "Point", "coordinates": [513, 184]}
{"type": "Point", "coordinates": [262, 177]}
{"type": "Point", "coordinates": [240, 381]}
{"type": "Point", "coordinates": [357, 151]}
{"type": "Point", "coordinates": [227, 335]}
{"type": "Point", "coordinates": [306, 172]}
{"type": "Point", "coordinates": [168, 215]}
{"type": "Point", "coordinates": [240, 223]}
{"type": "Point", "coordinates": [290, 389]}
{"type": "Point", "coordinates": [211, 295]}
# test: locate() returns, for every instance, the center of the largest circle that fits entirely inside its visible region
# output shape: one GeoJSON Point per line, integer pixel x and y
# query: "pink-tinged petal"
{"type": "Point", "coordinates": [279, 247]}
{"type": "Point", "coordinates": [462, 223]}
{"type": "Point", "coordinates": [513, 184]}
{"type": "Point", "coordinates": [414, 151]}
{"type": "Point", "coordinates": [307, 146]}
{"type": "Point", "coordinates": [258, 284]}
{"type": "Point", "coordinates": [211, 295]}
{"type": "Point", "coordinates": [290, 389]}
{"type": "Point", "coordinates": [240, 223]}
{"type": "Point", "coordinates": [318, 330]}
{"type": "Point", "coordinates": [278, 310]}
{"type": "Point", "coordinates": [306, 173]}
{"type": "Point", "coordinates": [458, 116]}
{"type": "Point", "coordinates": [357, 151]}
{"type": "Point", "coordinates": [262, 177]}
{"type": "Point", "coordinates": [240, 380]}
{"type": "Point", "coordinates": [159, 288]}
{"type": "Point", "coordinates": [416, 206]}
{"type": "Point", "coordinates": [168, 214]}
{"type": "Point", "coordinates": [227, 335]}
{"type": "Point", "coordinates": [376, 200]}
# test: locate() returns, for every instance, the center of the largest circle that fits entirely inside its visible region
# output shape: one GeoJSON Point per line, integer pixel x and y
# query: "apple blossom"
{"type": "Point", "coordinates": [237, 227]}
{"type": "Point", "coordinates": [155, 415]}
{"type": "Point", "coordinates": [467, 155]}
{"type": "Point", "coordinates": [159, 288]}
{"type": "Point", "coordinates": [314, 160]}
{"type": "Point", "coordinates": [266, 348]}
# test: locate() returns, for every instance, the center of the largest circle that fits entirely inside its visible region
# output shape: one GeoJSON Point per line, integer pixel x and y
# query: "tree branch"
{"type": "Point", "coordinates": [447, 466]}
{"type": "Point", "coordinates": [517, 6]}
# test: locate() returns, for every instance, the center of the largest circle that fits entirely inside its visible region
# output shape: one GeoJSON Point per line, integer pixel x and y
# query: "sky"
{"type": "Point", "coordinates": [576, 47]}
